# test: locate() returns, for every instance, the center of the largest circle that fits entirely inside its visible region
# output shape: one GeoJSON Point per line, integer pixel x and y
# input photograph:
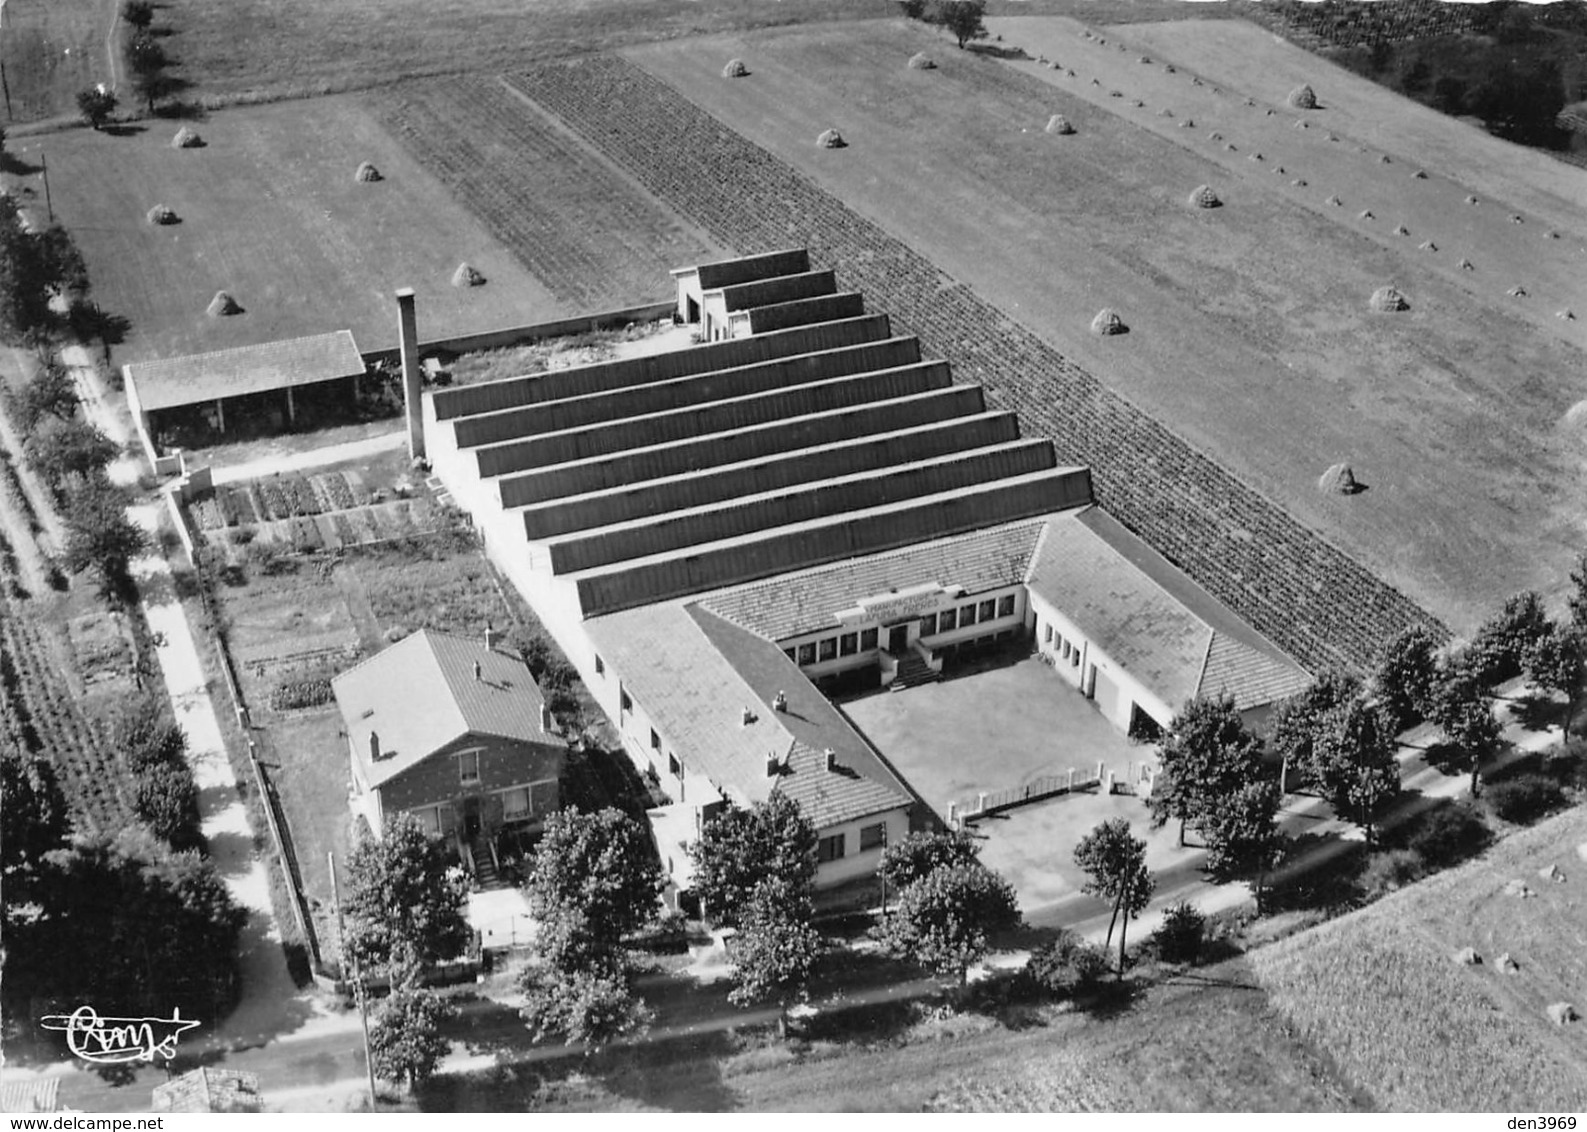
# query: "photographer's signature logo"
{"type": "Point", "coordinates": [112, 1041]}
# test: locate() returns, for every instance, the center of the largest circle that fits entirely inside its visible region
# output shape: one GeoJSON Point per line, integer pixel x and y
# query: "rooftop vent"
{"type": "Point", "coordinates": [479, 671]}
{"type": "Point", "coordinates": [773, 765]}
{"type": "Point", "coordinates": [832, 760]}
{"type": "Point", "coordinates": [748, 717]}
{"type": "Point", "coordinates": [546, 722]}
{"type": "Point", "coordinates": [490, 636]}
{"type": "Point", "coordinates": [780, 702]}
{"type": "Point", "coordinates": [374, 747]}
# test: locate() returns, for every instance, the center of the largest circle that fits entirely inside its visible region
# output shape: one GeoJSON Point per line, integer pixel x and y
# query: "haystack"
{"type": "Point", "coordinates": [1516, 219]}
{"type": "Point", "coordinates": [1385, 159]}
{"type": "Point", "coordinates": [1145, 59]}
{"type": "Point", "coordinates": [1338, 480]}
{"type": "Point", "coordinates": [1194, 81]}
{"type": "Point", "coordinates": [830, 139]}
{"type": "Point", "coordinates": [1165, 112]}
{"type": "Point", "coordinates": [1303, 98]}
{"type": "Point", "coordinates": [1215, 136]}
{"type": "Point", "coordinates": [1562, 1013]}
{"type": "Point", "coordinates": [1250, 102]}
{"type": "Point", "coordinates": [1465, 264]}
{"type": "Point", "coordinates": [1429, 246]}
{"type": "Point", "coordinates": [1278, 170]}
{"type": "Point", "coordinates": [1255, 157]}
{"type": "Point", "coordinates": [1388, 299]}
{"type": "Point", "coordinates": [1566, 315]}
{"type": "Point", "coordinates": [1302, 124]}
{"type": "Point", "coordinates": [1168, 68]}
{"type": "Point", "coordinates": [1364, 214]}
{"type": "Point", "coordinates": [1187, 124]}
{"type": "Point", "coordinates": [187, 138]}
{"type": "Point", "coordinates": [1420, 175]}
{"type": "Point", "coordinates": [1401, 230]}
{"type": "Point", "coordinates": [1107, 322]}
{"type": "Point", "coordinates": [162, 214]}
{"type": "Point", "coordinates": [1506, 966]}
{"type": "Point", "coordinates": [1115, 94]}
{"type": "Point", "coordinates": [222, 304]}
{"type": "Point", "coordinates": [1516, 292]}
{"type": "Point", "coordinates": [1518, 888]}
{"type": "Point", "coordinates": [1552, 873]}
{"type": "Point", "coordinates": [920, 61]}
{"type": "Point", "coordinates": [1058, 124]}
{"type": "Point", "coordinates": [466, 275]}
{"type": "Point", "coordinates": [1299, 182]}
{"type": "Point", "coordinates": [367, 173]}
{"type": "Point", "coordinates": [1333, 137]}
{"type": "Point", "coordinates": [1470, 199]}
{"type": "Point", "coordinates": [1231, 147]}
{"type": "Point", "coordinates": [1137, 103]}
{"type": "Point", "coordinates": [1204, 197]}
{"type": "Point", "coordinates": [1551, 234]}
{"type": "Point", "coordinates": [1268, 113]}
{"type": "Point", "coordinates": [1335, 201]}
{"type": "Point", "coordinates": [1468, 957]}
{"type": "Point", "coordinates": [734, 69]}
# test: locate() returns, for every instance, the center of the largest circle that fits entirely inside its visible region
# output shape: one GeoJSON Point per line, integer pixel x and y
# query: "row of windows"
{"type": "Point", "coordinates": [834, 848]}
{"type": "Point", "coordinates": [1070, 652]}
{"type": "Point", "coordinates": [847, 644]}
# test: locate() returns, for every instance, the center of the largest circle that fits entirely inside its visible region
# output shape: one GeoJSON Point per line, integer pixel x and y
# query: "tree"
{"type": "Point", "coordinates": [1243, 838]}
{"type": "Point", "coordinates": [1449, 95]}
{"type": "Point", "coordinates": [405, 1041]}
{"type": "Point", "coordinates": [138, 13]}
{"type": "Point", "coordinates": [96, 104]}
{"type": "Point", "coordinates": [1462, 709]}
{"type": "Point", "coordinates": [147, 61]}
{"type": "Point", "coordinates": [1578, 594]}
{"type": "Point", "coordinates": [920, 854]}
{"type": "Point", "coordinates": [1297, 719]}
{"type": "Point", "coordinates": [1355, 762]}
{"type": "Point", "coordinates": [1114, 861]}
{"type": "Point", "coordinates": [69, 448]}
{"type": "Point", "coordinates": [600, 866]}
{"type": "Point", "coordinates": [33, 266]}
{"type": "Point", "coordinates": [165, 798]}
{"type": "Point", "coordinates": [913, 9]}
{"type": "Point", "coordinates": [944, 919]}
{"type": "Point", "coordinates": [740, 848]}
{"type": "Point", "coordinates": [405, 907]}
{"type": "Point", "coordinates": [35, 820]}
{"type": "Point", "coordinates": [1406, 673]}
{"type": "Point", "coordinates": [775, 950]}
{"type": "Point", "coordinates": [593, 1007]}
{"type": "Point", "coordinates": [964, 19]}
{"type": "Point", "coordinates": [100, 537]}
{"type": "Point", "coordinates": [1207, 754]}
{"type": "Point", "coordinates": [1557, 662]}
{"type": "Point", "coordinates": [144, 734]}
{"type": "Point", "coordinates": [51, 393]}
{"type": "Point", "coordinates": [1498, 651]}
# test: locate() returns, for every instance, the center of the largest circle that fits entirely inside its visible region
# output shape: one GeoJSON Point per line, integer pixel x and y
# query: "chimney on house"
{"type": "Point", "coordinates": [479, 671]}
{"type": "Point", "coordinates": [780, 702]}
{"type": "Point", "coordinates": [832, 760]}
{"type": "Point", "coordinates": [490, 636]}
{"type": "Point", "coordinates": [408, 333]}
{"type": "Point", "coordinates": [773, 765]}
{"type": "Point", "coordinates": [749, 716]}
{"type": "Point", "coordinates": [374, 747]}
{"type": "Point", "coordinates": [545, 719]}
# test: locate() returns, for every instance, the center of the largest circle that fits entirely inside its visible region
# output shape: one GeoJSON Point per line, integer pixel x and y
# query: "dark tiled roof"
{"type": "Point", "coordinates": [420, 694]}
{"type": "Point", "coordinates": [245, 369]}
{"type": "Point", "coordinates": [809, 601]}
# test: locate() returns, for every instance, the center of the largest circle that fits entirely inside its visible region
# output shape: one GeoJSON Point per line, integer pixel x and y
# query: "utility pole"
{"type": "Point", "coordinates": [358, 978]}
{"type": "Point", "coordinates": [44, 168]}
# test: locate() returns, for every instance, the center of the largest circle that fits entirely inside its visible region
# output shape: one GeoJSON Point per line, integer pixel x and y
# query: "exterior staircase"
{"type": "Point", "coordinates": [912, 672]}
{"type": "Point", "coordinates": [486, 878]}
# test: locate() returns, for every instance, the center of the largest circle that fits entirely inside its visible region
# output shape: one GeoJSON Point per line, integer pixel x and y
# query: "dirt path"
{"type": "Point", "coordinates": [316, 458]}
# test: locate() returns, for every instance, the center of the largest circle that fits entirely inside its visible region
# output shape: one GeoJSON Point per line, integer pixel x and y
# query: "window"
{"type": "Point", "coordinates": [829, 848]}
{"type": "Point", "coordinates": [468, 766]}
{"type": "Point", "coordinates": [849, 644]}
{"type": "Point", "coordinates": [1005, 605]}
{"type": "Point", "coordinates": [515, 804]}
{"type": "Point", "coordinates": [868, 640]}
{"type": "Point", "coordinates": [1046, 634]}
{"type": "Point", "coordinates": [948, 621]}
{"type": "Point", "coordinates": [600, 665]}
{"type": "Point", "coordinates": [1065, 645]}
{"type": "Point", "coordinates": [807, 653]}
{"type": "Point", "coordinates": [829, 648]}
{"type": "Point", "coordinates": [791, 655]}
{"type": "Point", "coordinates": [928, 625]}
{"type": "Point", "coordinates": [967, 616]}
{"type": "Point", "coordinates": [873, 836]}
{"type": "Point", "coordinates": [430, 819]}
{"type": "Point", "coordinates": [655, 740]}
{"type": "Point", "coordinates": [988, 610]}
{"type": "Point", "coordinates": [674, 767]}
{"type": "Point", "coordinates": [627, 704]}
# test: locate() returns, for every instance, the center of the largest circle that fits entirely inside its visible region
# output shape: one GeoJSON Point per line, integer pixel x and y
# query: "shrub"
{"type": "Point", "coordinates": [1067, 965]}
{"type": "Point", "coordinates": [1390, 870]}
{"type": "Point", "coordinates": [301, 693]}
{"type": "Point", "coordinates": [1447, 835]}
{"type": "Point", "coordinates": [1180, 936]}
{"type": "Point", "coordinates": [1525, 798]}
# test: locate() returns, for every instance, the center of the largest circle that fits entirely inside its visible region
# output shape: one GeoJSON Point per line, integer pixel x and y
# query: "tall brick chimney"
{"type": "Point", "coordinates": [408, 329]}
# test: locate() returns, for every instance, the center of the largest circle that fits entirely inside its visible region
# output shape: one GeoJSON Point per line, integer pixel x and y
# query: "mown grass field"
{"type": "Point", "coordinates": [1380, 992]}
{"type": "Point", "coordinates": [1250, 332]}
{"type": "Point", "coordinates": [51, 49]}
{"type": "Point", "coordinates": [270, 212]}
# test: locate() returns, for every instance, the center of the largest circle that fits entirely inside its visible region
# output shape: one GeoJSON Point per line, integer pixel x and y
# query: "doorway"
{"type": "Point", "coordinates": [898, 638]}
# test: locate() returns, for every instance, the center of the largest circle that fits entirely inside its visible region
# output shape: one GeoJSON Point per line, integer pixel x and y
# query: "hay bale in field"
{"type": "Point", "coordinates": [1566, 315]}
{"type": "Point", "coordinates": [1058, 124]}
{"type": "Point", "coordinates": [1055, 65]}
{"type": "Point", "coordinates": [1302, 124]}
{"type": "Point", "coordinates": [1107, 322]}
{"type": "Point", "coordinates": [1250, 102]}
{"type": "Point", "coordinates": [466, 276]}
{"type": "Point", "coordinates": [1203, 197]}
{"type": "Point", "coordinates": [1255, 157]}
{"type": "Point", "coordinates": [187, 138]}
{"type": "Point", "coordinates": [920, 61]}
{"type": "Point", "coordinates": [1137, 103]}
{"type": "Point", "coordinates": [1303, 97]}
{"type": "Point", "coordinates": [1231, 147]}
{"type": "Point", "coordinates": [1145, 59]}
{"type": "Point", "coordinates": [1194, 81]}
{"type": "Point", "coordinates": [1516, 292]}
{"type": "Point", "coordinates": [1468, 957]}
{"type": "Point", "coordinates": [1068, 74]}
{"type": "Point", "coordinates": [1186, 124]}
{"type": "Point", "coordinates": [1385, 159]}
{"type": "Point", "coordinates": [1268, 113]}
{"type": "Point", "coordinates": [1514, 219]}
{"type": "Point", "coordinates": [1215, 136]}
{"type": "Point", "coordinates": [1278, 170]}
{"type": "Point", "coordinates": [1470, 199]}
{"type": "Point", "coordinates": [1096, 82]}
{"type": "Point", "coordinates": [734, 69]}
{"type": "Point", "coordinates": [1562, 1013]}
{"type": "Point", "coordinates": [1338, 480]}
{"type": "Point", "coordinates": [1299, 182]}
{"type": "Point", "coordinates": [1333, 137]}
{"type": "Point", "coordinates": [1364, 214]}
{"type": "Point", "coordinates": [1165, 112]}
{"type": "Point", "coordinates": [1518, 888]}
{"type": "Point", "coordinates": [221, 305]}
{"type": "Point", "coordinates": [1429, 246]}
{"type": "Point", "coordinates": [830, 139]}
{"type": "Point", "coordinates": [1420, 175]}
{"type": "Point", "coordinates": [162, 214]}
{"type": "Point", "coordinates": [1335, 201]}
{"type": "Point", "coordinates": [1552, 873]}
{"type": "Point", "coordinates": [1401, 230]}
{"type": "Point", "coordinates": [1465, 264]}
{"type": "Point", "coordinates": [366, 173]}
{"type": "Point", "coordinates": [1388, 299]}
{"type": "Point", "coordinates": [1506, 966]}
{"type": "Point", "coordinates": [1115, 94]}
{"type": "Point", "coordinates": [1551, 234]}
{"type": "Point", "coordinates": [1168, 68]}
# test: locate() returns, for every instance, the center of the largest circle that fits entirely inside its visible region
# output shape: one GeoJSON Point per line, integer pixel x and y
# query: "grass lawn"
{"type": "Point", "coordinates": [51, 49]}
{"type": "Point", "coordinates": [270, 212]}
{"type": "Point", "coordinates": [1373, 988]}
{"type": "Point", "coordinates": [1250, 333]}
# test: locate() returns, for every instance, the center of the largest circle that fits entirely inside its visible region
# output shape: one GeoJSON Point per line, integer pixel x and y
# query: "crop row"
{"type": "Point", "coordinates": [587, 236]}
{"type": "Point", "coordinates": [1287, 581]}
{"type": "Point", "coordinates": [1352, 23]}
{"type": "Point", "coordinates": [281, 497]}
{"type": "Point", "coordinates": [42, 716]}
